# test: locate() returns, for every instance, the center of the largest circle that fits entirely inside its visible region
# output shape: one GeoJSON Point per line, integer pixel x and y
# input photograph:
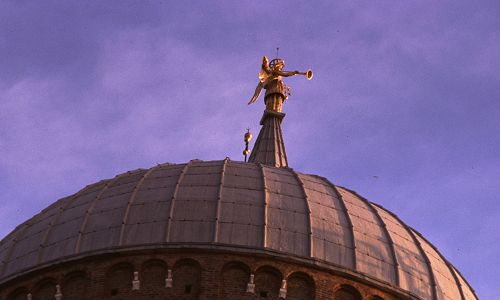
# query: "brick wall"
{"type": "Point", "coordinates": [152, 277]}
{"type": "Point", "coordinates": [197, 274]}
{"type": "Point", "coordinates": [45, 290]}
{"type": "Point", "coordinates": [75, 286]}
{"type": "Point", "coordinates": [233, 283]}
{"type": "Point", "coordinates": [347, 293]}
{"type": "Point", "coordinates": [300, 286]}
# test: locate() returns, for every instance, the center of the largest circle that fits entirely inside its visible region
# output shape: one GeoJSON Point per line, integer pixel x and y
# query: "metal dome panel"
{"type": "Point", "coordinates": [446, 284]}
{"type": "Point", "coordinates": [241, 208]}
{"type": "Point", "coordinates": [331, 229]}
{"type": "Point", "coordinates": [413, 269]}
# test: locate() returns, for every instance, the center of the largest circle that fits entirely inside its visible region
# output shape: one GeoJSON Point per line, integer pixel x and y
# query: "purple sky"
{"type": "Point", "coordinates": [404, 107]}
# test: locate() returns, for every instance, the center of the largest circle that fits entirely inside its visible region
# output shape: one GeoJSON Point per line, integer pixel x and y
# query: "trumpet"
{"type": "Point", "coordinates": [308, 74]}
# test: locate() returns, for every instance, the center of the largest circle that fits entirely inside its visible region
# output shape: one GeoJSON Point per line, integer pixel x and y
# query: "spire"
{"type": "Point", "coordinates": [269, 148]}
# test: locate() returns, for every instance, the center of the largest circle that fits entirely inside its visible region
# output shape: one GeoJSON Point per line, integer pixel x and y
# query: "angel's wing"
{"type": "Point", "coordinates": [265, 72]}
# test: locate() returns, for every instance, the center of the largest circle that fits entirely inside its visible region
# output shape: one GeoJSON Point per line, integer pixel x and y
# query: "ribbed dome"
{"type": "Point", "coordinates": [235, 206]}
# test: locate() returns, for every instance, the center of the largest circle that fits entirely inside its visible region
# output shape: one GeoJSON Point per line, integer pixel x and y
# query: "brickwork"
{"type": "Point", "coordinates": [45, 291]}
{"type": "Point", "coordinates": [152, 277]}
{"type": "Point", "coordinates": [197, 274]}
{"type": "Point", "coordinates": [75, 286]}
{"type": "Point", "coordinates": [347, 293]}
{"type": "Point", "coordinates": [18, 294]}
{"type": "Point", "coordinates": [267, 283]}
{"type": "Point", "coordinates": [233, 285]}
{"type": "Point", "coordinates": [119, 282]}
{"type": "Point", "coordinates": [186, 277]}
{"type": "Point", "coordinates": [300, 287]}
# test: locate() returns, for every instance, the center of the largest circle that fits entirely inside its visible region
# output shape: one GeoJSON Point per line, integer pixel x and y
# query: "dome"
{"type": "Point", "coordinates": [224, 230]}
{"type": "Point", "coordinates": [239, 207]}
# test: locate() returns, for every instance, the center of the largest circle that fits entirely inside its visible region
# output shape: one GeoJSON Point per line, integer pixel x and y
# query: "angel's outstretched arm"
{"type": "Point", "coordinates": [287, 73]}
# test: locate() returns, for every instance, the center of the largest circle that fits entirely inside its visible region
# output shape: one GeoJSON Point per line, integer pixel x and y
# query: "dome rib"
{"type": "Point", "coordinates": [131, 200]}
{"type": "Point", "coordinates": [55, 221]}
{"type": "Point", "coordinates": [430, 271]}
{"type": "Point", "coordinates": [461, 277]}
{"type": "Point", "coordinates": [265, 200]}
{"type": "Point", "coordinates": [306, 199]}
{"type": "Point", "coordinates": [15, 240]}
{"type": "Point", "coordinates": [348, 218]}
{"type": "Point", "coordinates": [372, 246]}
{"type": "Point", "coordinates": [444, 287]}
{"type": "Point", "coordinates": [219, 199]}
{"type": "Point", "coordinates": [454, 276]}
{"type": "Point", "coordinates": [90, 210]}
{"type": "Point", "coordinates": [172, 201]}
{"type": "Point", "coordinates": [23, 237]}
{"type": "Point", "coordinates": [448, 265]}
{"type": "Point", "coordinates": [386, 232]}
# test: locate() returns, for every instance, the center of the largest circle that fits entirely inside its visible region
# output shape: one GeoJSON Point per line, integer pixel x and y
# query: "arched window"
{"type": "Point", "coordinates": [267, 283]}
{"type": "Point", "coordinates": [45, 290]}
{"type": "Point", "coordinates": [119, 281]}
{"type": "Point", "coordinates": [186, 279]}
{"type": "Point", "coordinates": [152, 278]}
{"type": "Point", "coordinates": [234, 280]}
{"type": "Point", "coordinates": [300, 286]}
{"type": "Point", "coordinates": [347, 292]}
{"type": "Point", "coordinates": [75, 286]}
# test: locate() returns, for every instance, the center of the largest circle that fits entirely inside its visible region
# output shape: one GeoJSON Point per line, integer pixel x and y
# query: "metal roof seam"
{"type": "Point", "coordinates": [448, 265]}
{"type": "Point", "coordinates": [265, 190]}
{"type": "Point", "coordinates": [430, 270]}
{"type": "Point", "coordinates": [276, 143]}
{"type": "Point", "coordinates": [90, 209]}
{"type": "Point", "coordinates": [309, 222]}
{"type": "Point", "coordinates": [20, 233]}
{"type": "Point", "coordinates": [131, 200]}
{"type": "Point", "coordinates": [460, 288]}
{"type": "Point", "coordinates": [348, 218]}
{"type": "Point", "coordinates": [269, 146]}
{"type": "Point", "coordinates": [218, 204]}
{"type": "Point", "coordinates": [281, 145]}
{"type": "Point", "coordinates": [465, 281]}
{"type": "Point", "coordinates": [56, 220]}
{"type": "Point", "coordinates": [386, 232]}
{"type": "Point", "coordinates": [256, 147]}
{"type": "Point", "coordinates": [172, 200]}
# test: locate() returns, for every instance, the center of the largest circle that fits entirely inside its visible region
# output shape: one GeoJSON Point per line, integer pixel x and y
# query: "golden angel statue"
{"type": "Point", "coordinates": [270, 78]}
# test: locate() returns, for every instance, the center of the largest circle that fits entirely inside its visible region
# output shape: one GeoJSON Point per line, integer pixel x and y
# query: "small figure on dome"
{"type": "Point", "coordinates": [270, 78]}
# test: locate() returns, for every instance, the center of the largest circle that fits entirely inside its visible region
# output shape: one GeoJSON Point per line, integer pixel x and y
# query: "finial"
{"type": "Point", "coordinates": [247, 138]}
{"type": "Point", "coordinates": [277, 51]}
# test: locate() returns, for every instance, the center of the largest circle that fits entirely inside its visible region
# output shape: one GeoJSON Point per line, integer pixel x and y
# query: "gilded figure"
{"type": "Point", "coordinates": [270, 78]}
